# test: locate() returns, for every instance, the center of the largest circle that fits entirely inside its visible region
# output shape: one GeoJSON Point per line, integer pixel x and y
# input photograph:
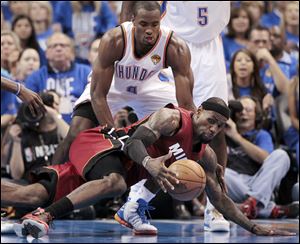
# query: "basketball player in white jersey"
{"type": "Point", "coordinates": [200, 24]}
{"type": "Point", "coordinates": [125, 73]}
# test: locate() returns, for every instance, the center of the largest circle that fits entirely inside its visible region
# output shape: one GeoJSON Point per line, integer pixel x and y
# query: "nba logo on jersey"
{"type": "Point", "coordinates": [155, 59]}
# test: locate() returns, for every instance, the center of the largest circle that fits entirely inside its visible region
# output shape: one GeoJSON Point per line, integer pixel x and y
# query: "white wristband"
{"type": "Point", "coordinates": [145, 161]}
{"type": "Point", "coordinates": [18, 89]}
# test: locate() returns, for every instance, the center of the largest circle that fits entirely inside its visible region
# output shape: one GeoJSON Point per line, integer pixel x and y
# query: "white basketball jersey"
{"type": "Point", "coordinates": [196, 21]}
{"type": "Point", "coordinates": [132, 73]}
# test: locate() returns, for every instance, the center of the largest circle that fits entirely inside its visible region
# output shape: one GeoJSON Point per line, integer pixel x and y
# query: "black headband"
{"type": "Point", "coordinates": [216, 108]}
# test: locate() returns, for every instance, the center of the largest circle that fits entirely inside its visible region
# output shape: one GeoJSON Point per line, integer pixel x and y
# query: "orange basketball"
{"type": "Point", "coordinates": [192, 180]}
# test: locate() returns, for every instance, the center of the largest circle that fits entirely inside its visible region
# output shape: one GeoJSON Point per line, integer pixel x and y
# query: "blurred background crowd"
{"type": "Point", "coordinates": [49, 48]}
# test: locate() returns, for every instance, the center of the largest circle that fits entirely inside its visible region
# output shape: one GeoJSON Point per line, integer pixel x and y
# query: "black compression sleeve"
{"type": "Point", "coordinates": [135, 146]}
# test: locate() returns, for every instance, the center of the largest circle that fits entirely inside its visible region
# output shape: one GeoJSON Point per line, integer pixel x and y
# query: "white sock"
{"type": "Point", "coordinates": [143, 193]}
{"type": "Point", "coordinates": [134, 189]}
{"type": "Point", "coordinates": [209, 205]}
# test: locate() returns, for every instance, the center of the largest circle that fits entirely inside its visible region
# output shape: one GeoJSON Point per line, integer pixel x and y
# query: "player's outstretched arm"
{"type": "Point", "coordinates": [163, 122]}
{"type": "Point", "coordinates": [179, 59]}
{"type": "Point", "coordinates": [29, 97]}
{"type": "Point", "coordinates": [110, 50]}
{"type": "Point", "coordinates": [225, 205]}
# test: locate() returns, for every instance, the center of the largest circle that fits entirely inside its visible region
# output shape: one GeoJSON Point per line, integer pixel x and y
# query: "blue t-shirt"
{"type": "Point", "coordinates": [270, 19]}
{"type": "Point", "coordinates": [230, 48]}
{"type": "Point", "coordinates": [292, 38]}
{"type": "Point", "coordinates": [42, 38]}
{"type": "Point", "coordinates": [8, 105]}
{"type": "Point", "coordinates": [7, 98]}
{"type": "Point", "coordinates": [245, 91]}
{"type": "Point", "coordinates": [69, 85]}
{"type": "Point", "coordinates": [287, 64]}
{"type": "Point", "coordinates": [239, 160]}
{"type": "Point", "coordinates": [263, 139]}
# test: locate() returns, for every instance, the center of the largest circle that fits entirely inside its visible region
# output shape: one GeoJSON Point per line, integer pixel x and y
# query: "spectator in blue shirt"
{"type": "Point", "coordinates": [274, 18]}
{"type": "Point", "coordinates": [246, 81]}
{"type": "Point", "coordinates": [10, 51]}
{"type": "Point", "coordinates": [290, 25]}
{"type": "Point", "coordinates": [84, 21]}
{"type": "Point", "coordinates": [254, 169]}
{"type": "Point", "coordinates": [287, 63]}
{"type": "Point", "coordinates": [28, 62]}
{"type": "Point", "coordinates": [256, 10]}
{"type": "Point", "coordinates": [22, 25]}
{"type": "Point", "coordinates": [8, 106]}
{"type": "Point", "coordinates": [273, 77]}
{"type": "Point", "coordinates": [41, 14]}
{"type": "Point", "coordinates": [13, 8]}
{"type": "Point", "coordinates": [238, 32]}
{"type": "Point", "coordinates": [67, 78]}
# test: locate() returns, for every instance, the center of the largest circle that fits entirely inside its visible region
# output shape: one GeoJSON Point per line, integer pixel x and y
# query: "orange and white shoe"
{"type": "Point", "coordinates": [35, 223]}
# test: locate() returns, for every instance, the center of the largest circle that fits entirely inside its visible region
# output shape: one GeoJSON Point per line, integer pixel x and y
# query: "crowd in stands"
{"type": "Point", "coordinates": [49, 47]}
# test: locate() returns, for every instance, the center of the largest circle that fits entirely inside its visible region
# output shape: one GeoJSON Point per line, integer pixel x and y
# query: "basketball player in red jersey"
{"type": "Point", "coordinates": [103, 156]}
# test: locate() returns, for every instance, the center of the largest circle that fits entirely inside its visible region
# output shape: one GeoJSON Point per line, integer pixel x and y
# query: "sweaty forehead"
{"type": "Point", "coordinates": [148, 15]}
{"type": "Point", "coordinates": [215, 115]}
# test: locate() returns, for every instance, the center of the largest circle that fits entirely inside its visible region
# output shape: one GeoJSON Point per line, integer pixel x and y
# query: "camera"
{"type": "Point", "coordinates": [131, 117]}
{"type": "Point", "coordinates": [235, 106]}
{"type": "Point", "coordinates": [26, 119]}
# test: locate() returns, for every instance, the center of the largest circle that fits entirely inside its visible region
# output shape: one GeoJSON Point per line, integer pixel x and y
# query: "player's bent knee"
{"type": "Point", "coordinates": [116, 183]}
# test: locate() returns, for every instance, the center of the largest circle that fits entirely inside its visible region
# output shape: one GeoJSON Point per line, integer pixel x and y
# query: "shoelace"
{"type": "Point", "coordinates": [141, 212]}
{"type": "Point", "coordinates": [217, 215]}
{"type": "Point", "coordinates": [139, 216]}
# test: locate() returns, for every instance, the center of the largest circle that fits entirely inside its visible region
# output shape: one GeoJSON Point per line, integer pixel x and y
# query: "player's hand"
{"type": "Point", "coordinates": [266, 231]}
{"type": "Point", "coordinates": [164, 177]}
{"type": "Point", "coordinates": [34, 101]}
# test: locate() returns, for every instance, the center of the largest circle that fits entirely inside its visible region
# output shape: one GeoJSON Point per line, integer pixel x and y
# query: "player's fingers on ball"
{"type": "Point", "coordinates": [173, 179]}
{"type": "Point", "coordinates": [161, 185]}
{"type": "Point", "coordinates": [168, 184]}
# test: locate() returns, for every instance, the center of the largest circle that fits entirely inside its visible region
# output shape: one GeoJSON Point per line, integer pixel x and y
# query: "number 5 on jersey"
{"type": "Point", "coordinates": [202, 16]}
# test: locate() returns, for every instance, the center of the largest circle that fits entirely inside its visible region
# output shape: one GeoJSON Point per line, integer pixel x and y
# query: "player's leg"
{"type": "Point", "coordinates": [83, 118]}
{"type": "Point", "coordinates": [105, 180]}
{"type": "Point", "coordinates": [208, 65]}
{"type": "Point", "coordinates": [16, 195]}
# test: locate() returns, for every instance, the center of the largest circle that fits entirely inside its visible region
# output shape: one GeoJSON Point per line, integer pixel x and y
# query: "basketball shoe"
{"type": "Point", "coordinates": [35, 223]}
{"type": "Point", "coordinates": [249, 208]}
{"type": "Point", "coordinates": [287, 211]}
{"type": "Point", "coordinates": [213, 220]}
{"type": "Point", "coordinates": [132, 215]}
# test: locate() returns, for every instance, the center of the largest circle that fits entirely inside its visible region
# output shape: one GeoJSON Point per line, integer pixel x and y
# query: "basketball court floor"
{"type": "Point", "coordinates": [170, 231]}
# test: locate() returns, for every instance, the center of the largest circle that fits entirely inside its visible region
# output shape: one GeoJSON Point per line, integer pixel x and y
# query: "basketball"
{"type": "Point", "coordinates": [192, 180]}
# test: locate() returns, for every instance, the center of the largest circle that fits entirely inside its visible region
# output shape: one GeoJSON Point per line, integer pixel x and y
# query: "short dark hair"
{"type": "Point", "coordinates": [260, 28]}
{"type": "Point", "coordinates": [147, 5]}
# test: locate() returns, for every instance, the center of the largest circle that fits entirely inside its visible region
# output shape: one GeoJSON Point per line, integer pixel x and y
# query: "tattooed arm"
{"type": "Point", "coordinates": [224, 204]}
{"type": "Point", "coordinates": [161, 123]}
